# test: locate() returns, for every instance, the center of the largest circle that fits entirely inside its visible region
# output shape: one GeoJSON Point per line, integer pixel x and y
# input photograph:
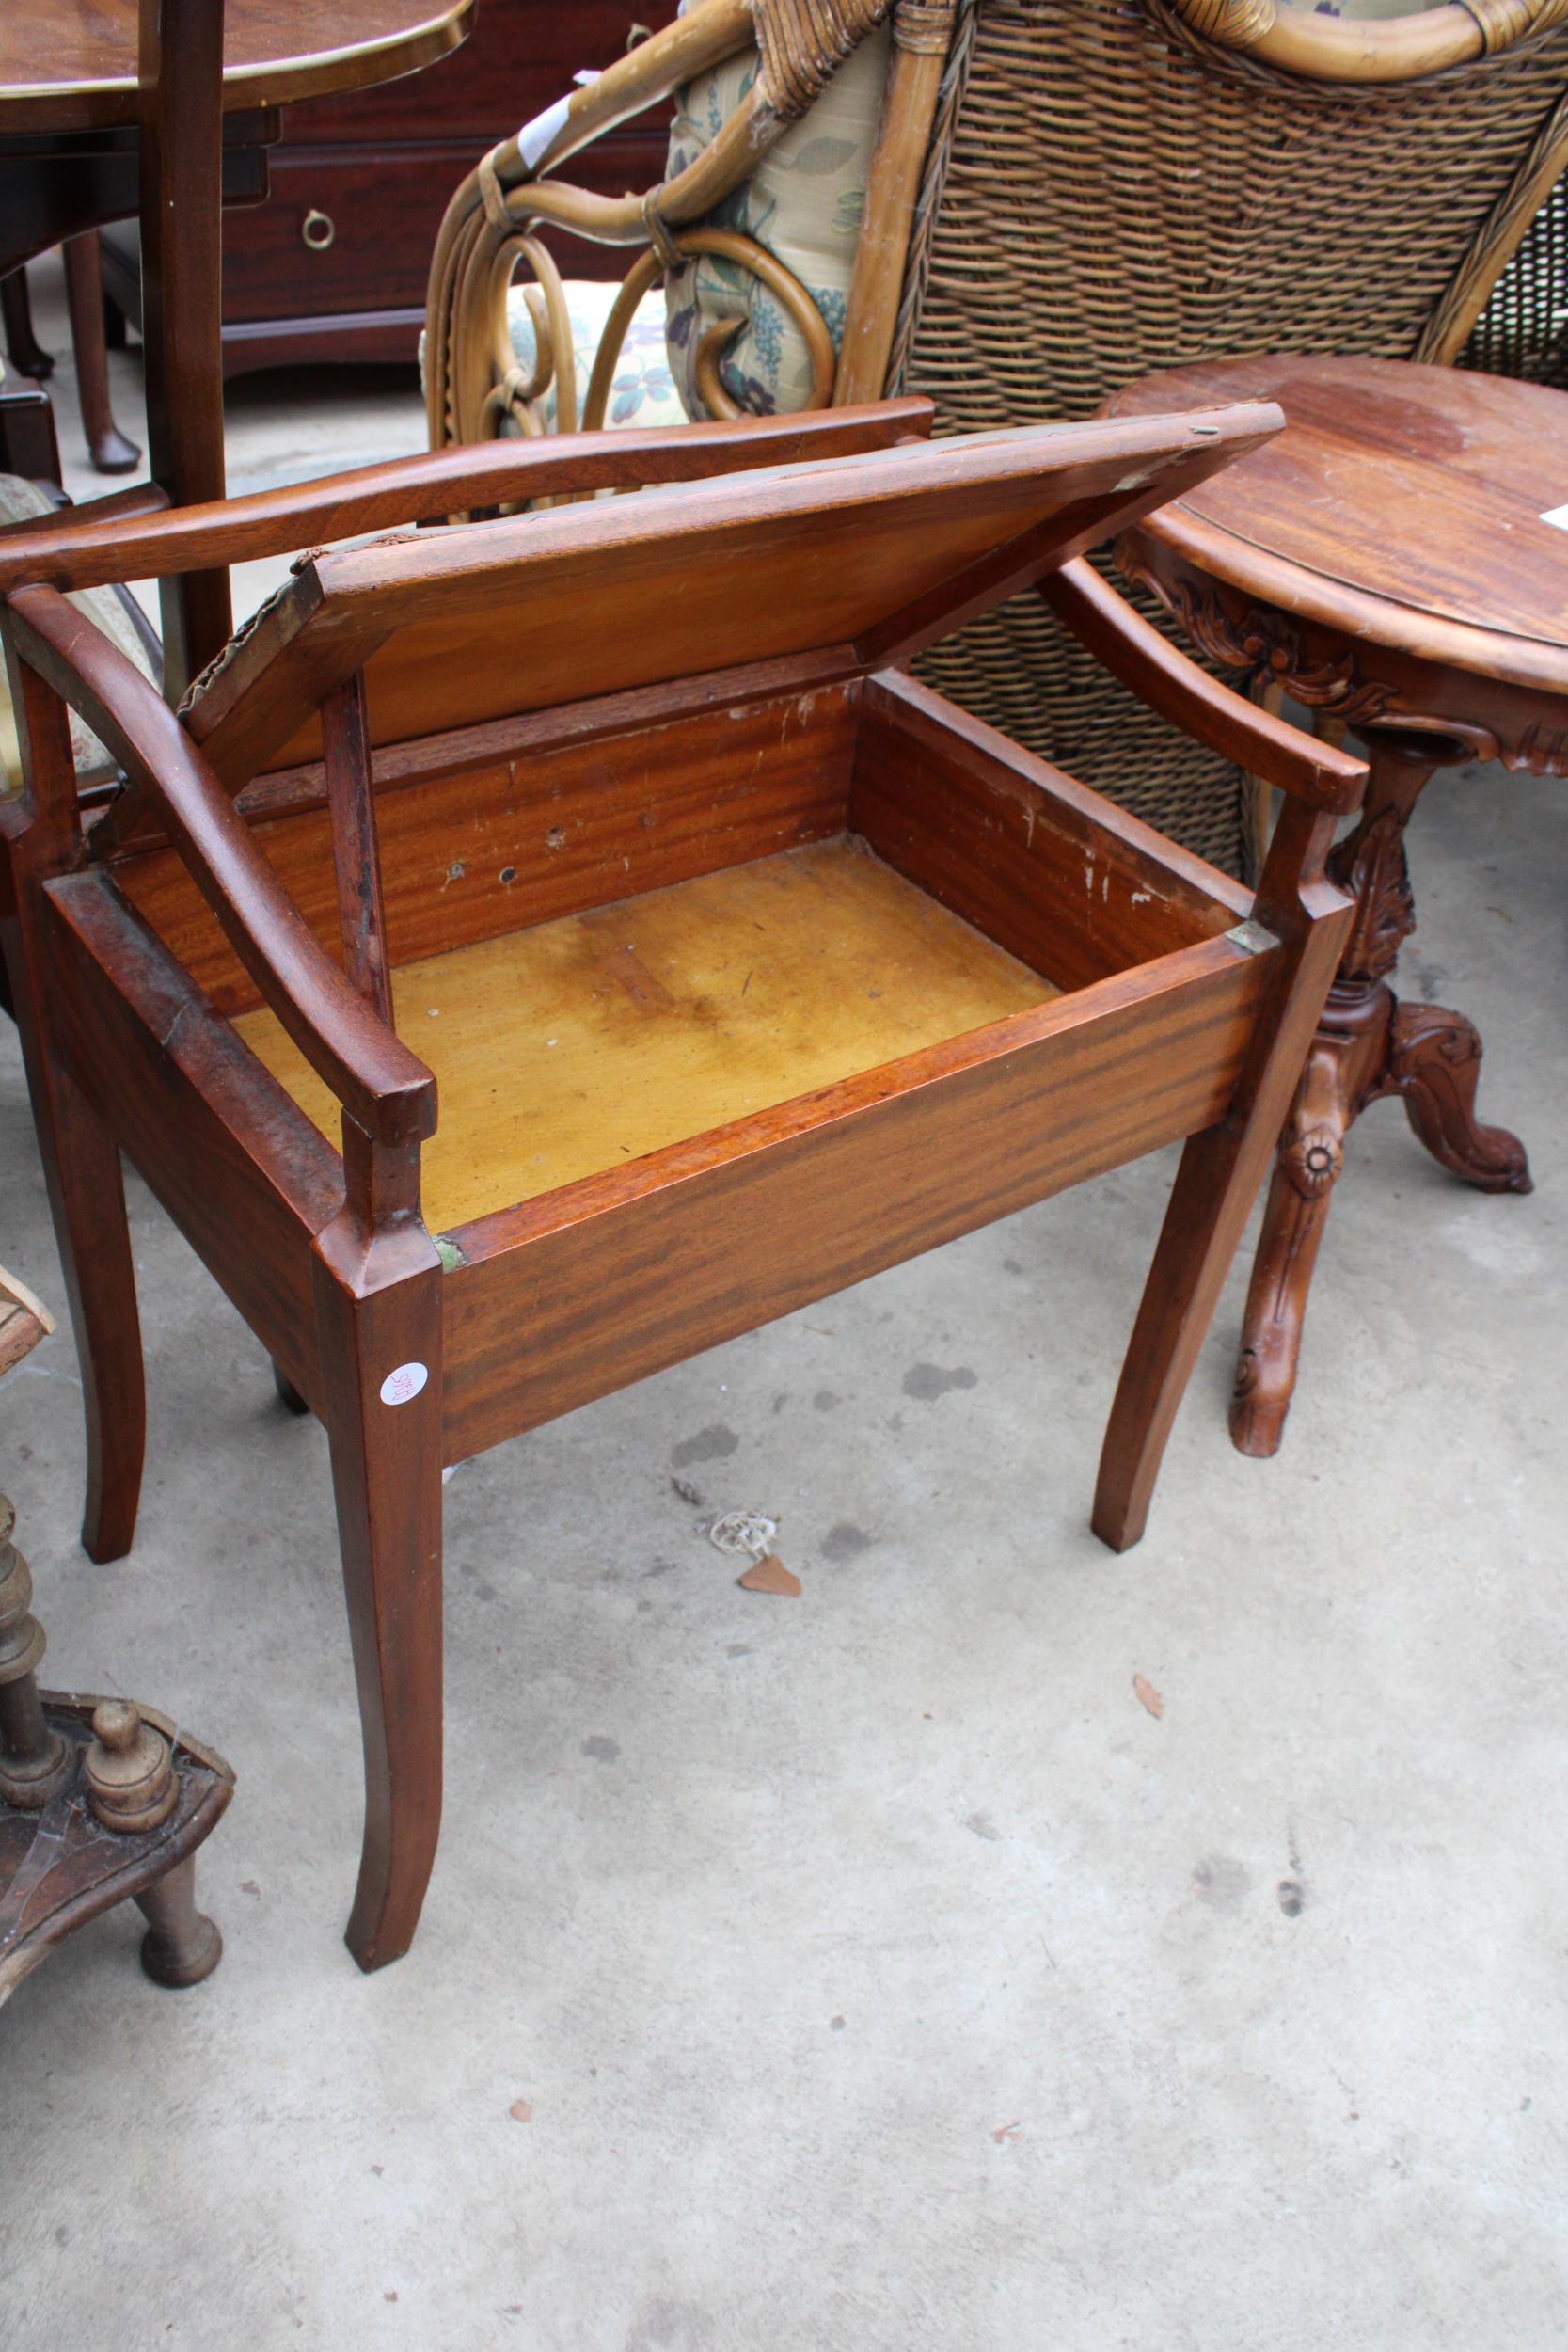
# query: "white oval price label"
{"type": "Point", "coordinates": [407, 1382]}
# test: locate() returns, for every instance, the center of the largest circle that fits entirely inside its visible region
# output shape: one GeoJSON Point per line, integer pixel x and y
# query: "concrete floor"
{"type": "Point", "coordinates": [868, 1970]}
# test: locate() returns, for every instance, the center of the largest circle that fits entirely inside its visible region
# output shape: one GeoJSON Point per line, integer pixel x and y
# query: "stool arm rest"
{"type": "Point", "coordinates": [69, 553]}
{"type": "Point", "coordinates": [142, 497]}
{"type": "Point", "coordinates": [384, 1089]}
{"type": "Point", "coordinates": [1171, 683]}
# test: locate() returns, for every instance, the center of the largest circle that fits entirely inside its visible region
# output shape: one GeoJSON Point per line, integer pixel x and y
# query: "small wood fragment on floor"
{"type": "Point", "coordinates": [1148, 1697]}
{"type": "Point", "coordinates": [769, 1575]}
{"type": "Point", "coordinates": [521, 2111]}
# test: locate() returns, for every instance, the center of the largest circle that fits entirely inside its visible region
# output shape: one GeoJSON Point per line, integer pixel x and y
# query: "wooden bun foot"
{"type": "Point", "coordinates": [182, 1945]}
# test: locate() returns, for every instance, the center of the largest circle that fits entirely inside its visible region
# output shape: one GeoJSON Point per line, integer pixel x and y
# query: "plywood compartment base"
{"type": "Point", "coordinates": [579, 1044]}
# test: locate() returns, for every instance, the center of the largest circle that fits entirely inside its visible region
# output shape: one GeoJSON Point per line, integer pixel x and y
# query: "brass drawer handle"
{"type": "Point", "coordinates": [317, 231]}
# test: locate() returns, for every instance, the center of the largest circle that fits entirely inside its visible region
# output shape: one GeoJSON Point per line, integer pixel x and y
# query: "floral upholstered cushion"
{"type": "Point", "coordinates": [21, 502]}
{"type": "Point", "coordinates": [641, 391]}
{"type": "Point", "coordinates": [804, 202]}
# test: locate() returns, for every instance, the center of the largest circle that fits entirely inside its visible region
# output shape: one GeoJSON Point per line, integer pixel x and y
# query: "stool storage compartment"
{"type": "Point", "coordinates": [546, 947]}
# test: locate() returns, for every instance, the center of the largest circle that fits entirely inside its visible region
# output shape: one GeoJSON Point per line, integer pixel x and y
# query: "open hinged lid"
{"type": "Point", "coordinates": [864, 560]}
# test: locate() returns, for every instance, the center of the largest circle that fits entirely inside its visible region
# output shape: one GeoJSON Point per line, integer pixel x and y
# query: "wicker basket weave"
{"type": "Point", "coordinates": [1524, 329]}
{"type": "Point", "coordinates": [1106, 195]}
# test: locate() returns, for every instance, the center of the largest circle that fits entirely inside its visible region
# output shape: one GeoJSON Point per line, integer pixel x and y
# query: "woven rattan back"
{"type": "Point", "coordinates": [1524, 329]}
{"type": "Point", "coordinates": [1108, 193]}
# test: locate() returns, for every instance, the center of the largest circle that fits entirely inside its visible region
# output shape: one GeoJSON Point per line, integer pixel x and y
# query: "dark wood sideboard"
{"type": "Point", "coordinates": [333, 264]}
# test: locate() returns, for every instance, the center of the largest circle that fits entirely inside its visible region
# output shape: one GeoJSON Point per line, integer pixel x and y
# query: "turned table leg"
{"type": "Point", "coordinates": [1368, 1045]}
{"type": "Point", "coordinates": [182, 1945]}
{"type": "Point", "coordinates": [84, 281]}
{"type": "Point", "coordinates": [37, 1762]}
{"type": "Point", "coordinates": [26, 353]}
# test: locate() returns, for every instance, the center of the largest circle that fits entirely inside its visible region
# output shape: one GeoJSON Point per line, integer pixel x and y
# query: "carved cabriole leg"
{"type": "Point", "coordinates": [1344, 1065]}
{"type": "Point", "coordinates": [81, 1158]}
{"type": "Point", "coordinates": [1434, 1065]}
{"type": "Point", "coordinates": [378, 1308]}
{"type": "Point", "coordinates": [1367, 1046]}
{"type": "Point", "coordinates": [1219, 1176]}
{"type": "Point", "coordinates": [1344, 1060]}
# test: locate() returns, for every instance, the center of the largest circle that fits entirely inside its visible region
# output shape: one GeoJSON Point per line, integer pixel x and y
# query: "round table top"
{"type": "Point", "coordinates": [1405, 503]}
{"type": "Point", "coordinates": [71, 65]}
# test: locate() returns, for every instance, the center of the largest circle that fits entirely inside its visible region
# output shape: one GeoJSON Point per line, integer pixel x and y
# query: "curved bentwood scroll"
{"type": "Point", "coordinates": [475, 385]}
{"type": "Point", "coordinates": [1298, 40]}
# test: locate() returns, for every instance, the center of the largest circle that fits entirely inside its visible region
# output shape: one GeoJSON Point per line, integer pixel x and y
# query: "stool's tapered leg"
{"type": "Point", "coordinates": [1218, 1178]}
{"type": "Point", "coordinates": [87, 1193]}
{"type": "Point", "coordinates": [287, 1395]}
{"type": "Point", "coordinates": [378, 1311]}
{"type": "Point", "coordinates": [81, 1158]}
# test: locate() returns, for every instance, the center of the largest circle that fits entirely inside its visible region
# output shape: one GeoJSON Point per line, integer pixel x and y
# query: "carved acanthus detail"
{"type": "Point", "coordinates": [1541, 750]}
{"type": "Point", "coordinates": [1370, 865]}
{"type": "Point", "coordinates": [1269, 648]}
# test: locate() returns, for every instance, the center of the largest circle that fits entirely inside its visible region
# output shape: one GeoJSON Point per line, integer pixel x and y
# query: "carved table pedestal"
{"type": "Point", "coordinates": [1389, 563]}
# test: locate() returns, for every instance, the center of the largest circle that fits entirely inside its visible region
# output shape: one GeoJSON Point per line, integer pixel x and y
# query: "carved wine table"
{"type": "Point", "coordinates": [1393, 560]}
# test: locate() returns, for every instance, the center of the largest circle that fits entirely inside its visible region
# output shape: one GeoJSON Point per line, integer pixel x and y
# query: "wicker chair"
{"type": "Point", "coordinates": [1065, 194]}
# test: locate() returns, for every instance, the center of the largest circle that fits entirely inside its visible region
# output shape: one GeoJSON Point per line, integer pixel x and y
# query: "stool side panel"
{"type": "Point", "coordinates": [238, 1168]}
{"type": "Point", "coordinates": [592, 1288]}
{"type": "Point", "coordinates": [1053, 872]}
{"type": "Point", "coordinates": [476, 854]}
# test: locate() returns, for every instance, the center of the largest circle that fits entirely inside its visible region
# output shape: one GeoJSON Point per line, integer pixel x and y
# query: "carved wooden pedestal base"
{"type": "Point", "coordinates": [61, 1864]}
{"type": "Point", "coordinates": [1368, 1045]}
{"type": "Point", "coordinates": [99, 1799]}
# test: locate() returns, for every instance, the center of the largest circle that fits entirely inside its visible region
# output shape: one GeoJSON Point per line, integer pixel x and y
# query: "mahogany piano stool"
{"type": "Point", "coordinates": [740, 965]}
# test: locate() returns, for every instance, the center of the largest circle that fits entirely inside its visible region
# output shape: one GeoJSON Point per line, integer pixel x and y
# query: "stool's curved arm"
{"type": "Point", "coordinates": [386, 1092]}
{"type": "Point", "coordinates": [85, 547]}
{"type": "Point", "coordinates": [1162, 675]}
